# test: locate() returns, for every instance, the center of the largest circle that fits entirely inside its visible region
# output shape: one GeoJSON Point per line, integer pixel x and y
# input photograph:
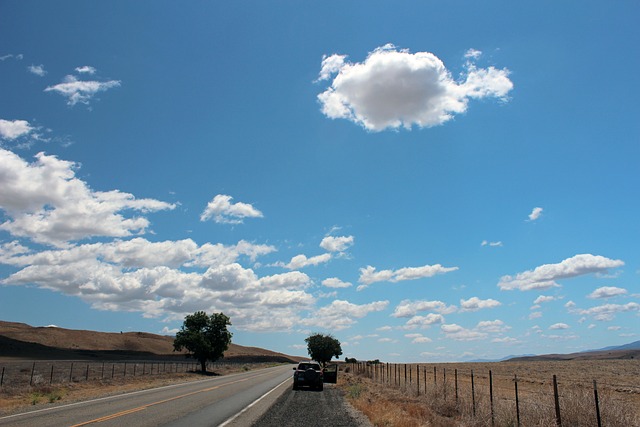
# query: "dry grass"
{"type": "Point", "coordinates": [435, 403]}
{"type": "Point", "coordinates": [19, 399]}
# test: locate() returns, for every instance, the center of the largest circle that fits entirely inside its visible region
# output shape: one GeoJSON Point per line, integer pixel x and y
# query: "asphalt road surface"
{"type": "Point", "coordinates": [210, 402]}
{"type": "Point", "coordinates": [312, 408]}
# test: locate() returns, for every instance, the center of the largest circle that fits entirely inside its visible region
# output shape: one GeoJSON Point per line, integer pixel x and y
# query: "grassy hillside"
{"type": "Point", "coordinates": [22, 341]}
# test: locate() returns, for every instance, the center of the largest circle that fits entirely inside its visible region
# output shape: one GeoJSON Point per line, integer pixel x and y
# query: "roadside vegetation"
{"type": "Point", "coordinates": [19, 399]}
{"type": "Point", "coordinates": [387, 402]}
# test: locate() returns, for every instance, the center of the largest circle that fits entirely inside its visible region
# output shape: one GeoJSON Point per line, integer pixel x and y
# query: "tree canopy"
{"type": "Point", "coordinates": [205, 337]}
{"type": "Point", "coordinates": [322, 348]}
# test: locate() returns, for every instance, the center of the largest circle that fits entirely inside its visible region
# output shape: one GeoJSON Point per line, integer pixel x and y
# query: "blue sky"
{"type": "Point", "coordinates": [427, 181]}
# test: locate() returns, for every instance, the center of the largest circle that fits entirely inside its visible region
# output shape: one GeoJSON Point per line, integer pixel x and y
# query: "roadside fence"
{"type": "Point", "coordinates": [41, 373]}
{"type": "Point", "coordinates": [498, 400]}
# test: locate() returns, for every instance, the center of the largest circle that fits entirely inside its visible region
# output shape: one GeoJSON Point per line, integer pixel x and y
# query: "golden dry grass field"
{"type": "Point", "coordinates": [388, 400]}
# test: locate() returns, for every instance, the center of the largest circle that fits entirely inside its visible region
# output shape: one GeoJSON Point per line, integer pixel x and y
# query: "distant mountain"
{"type": "Point", "coordinates": [631, 346]}
{"type": "Point", "coordinates": [626, 351]}
{"type": "Point", "coordinates": [501, 359]}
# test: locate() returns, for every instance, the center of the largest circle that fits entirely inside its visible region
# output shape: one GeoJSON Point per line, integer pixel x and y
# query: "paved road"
{"type": "Point", "coordinates": [311, 408]}
{"type": "Point", "coordinates": [209, 402]}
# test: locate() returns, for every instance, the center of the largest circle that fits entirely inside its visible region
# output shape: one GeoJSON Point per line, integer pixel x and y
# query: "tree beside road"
{"type": "Point", "coordinates": [322, 348]}
{"type": "Point", "coordinates": [205, 337]}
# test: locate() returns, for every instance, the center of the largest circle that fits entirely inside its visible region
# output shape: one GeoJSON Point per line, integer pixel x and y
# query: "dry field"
{"type": "Point", "coordinates": [15, 399]}
{"type": "Point", "coordinates": [382, 394]}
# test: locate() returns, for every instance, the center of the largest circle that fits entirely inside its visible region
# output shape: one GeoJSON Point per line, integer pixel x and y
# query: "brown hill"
{"type": "Point", "coordinates": [22, 341]}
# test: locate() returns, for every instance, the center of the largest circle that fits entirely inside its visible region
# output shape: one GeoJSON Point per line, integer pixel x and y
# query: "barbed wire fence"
{"type": "Point", "coordinates": [514, 400]}
{"type": "Point", "coordinates": [38, 373]}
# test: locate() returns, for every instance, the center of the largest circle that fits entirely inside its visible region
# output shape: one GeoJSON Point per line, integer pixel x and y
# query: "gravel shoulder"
{"type": "Point", "coordinates": [312, 408]}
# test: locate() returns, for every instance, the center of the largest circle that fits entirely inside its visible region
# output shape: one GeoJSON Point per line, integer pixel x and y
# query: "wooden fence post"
{"type": "Point", "coordinates": [425, 380]}
{"type": "Point", "coordinates": [595, 393]}
{"type": "Point", "coordinates": [405, 375]}
{"type": "Point", "coordinates": [455, 372]}
{"type": "Point", "coordinates": [556, 398]}
{"type": "Point", "coordinates": [515, 381]}
{"type": "Point", "coordinates": [102, 374]}
{"type": "Point", "coordinates": [435, 377]}
{"type": "Point", "coordinates": [473, 394]}
{"type": "Point", "coordinates": [418, 378]}
{"type": "Point", "coordinates": [51, 376]}
{"type": "Point", "coordinates": [86, 375]}
{"type": "Point", "coordinates": [491, 397]}
{"type": "Point", "coordinates": [444, 383]}
{"type": "Point", "coordinates": [2, 376]}
{"type": "Point", "coordinates": [33, 368]}
{"type": "Point", "coordinates": [71, 373]}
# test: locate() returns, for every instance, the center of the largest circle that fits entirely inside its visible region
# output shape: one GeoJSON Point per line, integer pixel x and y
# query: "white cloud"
{"type": "Point", "coordinates": [408, 308]}
{"type": "Point", "coordinates": [607, 292]}
{"type": "Point", "coordinates": [341, 314]}
{"type": "Point", "coordinates": [81, 91]}
{"type": "Point", "coordinates": [223, 211]}
{"type": "Point", "coordinates": [544, 298]}
{"type": "Point", "coordinates": [334, 282]}
{"type": "Point", "coordinates": [369, 275]}
{"type": "Point", "coordinates": [394, 88]}
{"type": "Point", "coordinates": [48, 204]}
{"type": "Point", "coordinates": [424, 322]}
{"type": "Point", "coordinates": [505, 340]}
{"type": "Point", "coordinates": [86, 69]}
{"type": "Point", "coordinates": [473, 54]}
{"type": "Point", "coordinates": [336, 244]}
{"type": "Point", "coordinates": [135, 276]}
{"type": "Point", "coordinates": [607, 312]}
{"type": "Point", "coordinates": [12, 129]}
{"type": "Point", "coordinates": [38, 70]}
{"type": "Point", "coordinates": [535, 214]}
{"type": "Point", "coordinates": [493, 326]}
{"type": "Point", "coordinates": [491, 244]}
{"type": "Point", "coordinates": [475, 304]}
{"type": "Point", "coordinates": [458, 333]}
{"type": "Point", "coordinates": [301, 261]}
{"type": "Point", "coordinates": [535, 315]}
{"type": "Point", "coordinates": [545, 276]}
{"type": "Point", "coordinates": [418, 338]}
{"type": "Point", "coordinates": [558, 326]}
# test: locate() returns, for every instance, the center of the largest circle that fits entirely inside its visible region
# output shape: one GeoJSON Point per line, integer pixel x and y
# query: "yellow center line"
{"type": "Point", "coordinates": [143, 407]}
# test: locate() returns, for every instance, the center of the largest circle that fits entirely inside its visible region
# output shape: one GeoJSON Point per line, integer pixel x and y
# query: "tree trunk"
{"type": "Point", "coordinates": [203, 364]}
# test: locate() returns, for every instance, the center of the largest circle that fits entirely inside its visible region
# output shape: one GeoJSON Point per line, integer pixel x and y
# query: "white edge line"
{"type": "Point", "coordinates": [249, 406]}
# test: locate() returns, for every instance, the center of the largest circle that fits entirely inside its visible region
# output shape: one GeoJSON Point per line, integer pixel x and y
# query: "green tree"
{"type": "Point", "coordinates": [205, 337]}
{"type": "Point", "coordinates": [322, 348]}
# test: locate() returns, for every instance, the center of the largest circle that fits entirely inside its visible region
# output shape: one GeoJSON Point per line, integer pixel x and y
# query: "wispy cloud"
{"type": "Point", "coordinates": [607, 292]}
{"type": "Point", "coordinates": [369, 275]}
{"type": "Point", "coordinates": [394, 88]}
{"type": "Point", "coordinates": [222, 211]}
{"type": "Point", "coordinates": [336, 244]}
{"type": "Point", "coordinates": [334, 282]}
{"type": "Point", "coordinates": [81, 91]}
{"type": "Point", "coordinates": [475, 304]}
{"type": "Point", "coordinates": [535, 214]}
{"type": "Point", "coordinates": [38, 70]}
{"type": "Point", "coordinates": [545, 276]}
